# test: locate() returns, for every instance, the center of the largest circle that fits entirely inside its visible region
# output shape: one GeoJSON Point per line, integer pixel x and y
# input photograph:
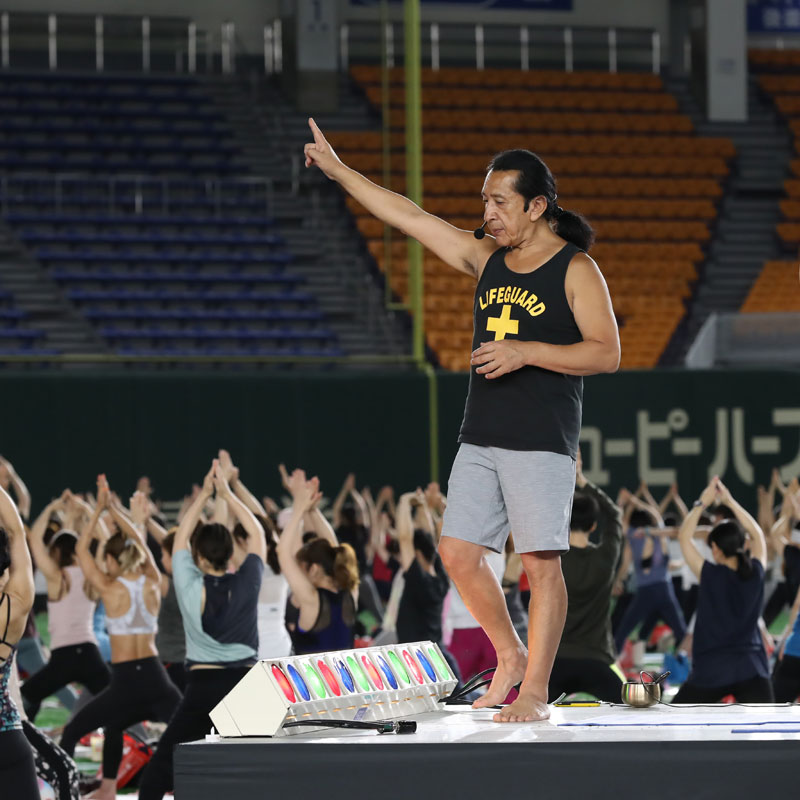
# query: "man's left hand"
{"type": "Point", "coordinates": [498, 358]}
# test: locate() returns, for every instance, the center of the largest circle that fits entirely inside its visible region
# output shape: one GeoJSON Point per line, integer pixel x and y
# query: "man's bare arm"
{"type": "Point", "coordinates": [458, 248]}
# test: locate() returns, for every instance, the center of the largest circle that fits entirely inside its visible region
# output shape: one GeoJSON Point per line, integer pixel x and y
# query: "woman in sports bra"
{"type": "Point", "coordinates": [130, 588]}
{"type": "Point", "coordinates": [17, 770]}
{"type": "Point", "coordinates": [71, 602]}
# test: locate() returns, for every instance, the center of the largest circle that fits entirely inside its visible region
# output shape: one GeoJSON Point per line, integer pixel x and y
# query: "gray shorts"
{"type": "Point", "coordinates": [493, 492]}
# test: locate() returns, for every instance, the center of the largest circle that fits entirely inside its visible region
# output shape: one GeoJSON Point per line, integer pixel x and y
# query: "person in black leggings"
{"type": "Point", "coordinates": [17, 770]}
{"type": "Point", "coordinates": [71, 604]}
{"type": "Point", "coordinates": [585, 658]}
{"type": "Point", "coordinates": [139, 688]}
{"type": "Point", "coordinates": [728, 656]}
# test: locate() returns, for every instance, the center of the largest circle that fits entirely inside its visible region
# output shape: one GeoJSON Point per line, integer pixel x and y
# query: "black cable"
{"type": "Point", "coordinates": [400, 726]}
{"type": "Point", "coordinates": [457, 697]}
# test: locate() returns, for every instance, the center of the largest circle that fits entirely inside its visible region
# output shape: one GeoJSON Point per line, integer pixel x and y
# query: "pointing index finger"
{"type": "Point", "coordinates": [319, 139]}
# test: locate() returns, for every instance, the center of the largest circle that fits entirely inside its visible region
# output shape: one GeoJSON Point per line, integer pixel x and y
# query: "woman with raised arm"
{"type": "Point", "coordinates": [419, 616]}
{"type": "Point", "coordinates": [10, 479]}
{"type": "Point", "coordinates": [17, 771]}
{"type": "Point", "coordinates": [786, 551]}
{"type": "Point", "coordinates": [130, 588]}
{"type": "Point", "coordinates": [219, 617]}
{"type": "Point", "coordinates": [322, 574]}
{"type": "Point", "coordinates": [655, 596]}
{"type": "Point", "coordinates": [728, 654]}
{"type": "Point", "coordinates": [71, 600]}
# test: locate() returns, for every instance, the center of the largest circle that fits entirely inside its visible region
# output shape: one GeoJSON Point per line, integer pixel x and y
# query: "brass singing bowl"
{"type": "Point", "coordinates": [641, 695]}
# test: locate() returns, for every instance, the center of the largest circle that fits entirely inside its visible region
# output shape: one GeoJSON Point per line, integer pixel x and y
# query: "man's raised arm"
{"type": "Point", "coordinates": [458, 248]}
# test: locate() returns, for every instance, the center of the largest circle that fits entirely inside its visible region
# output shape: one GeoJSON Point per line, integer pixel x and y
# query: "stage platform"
{"type": "Point", "coordinates": [585, 752]}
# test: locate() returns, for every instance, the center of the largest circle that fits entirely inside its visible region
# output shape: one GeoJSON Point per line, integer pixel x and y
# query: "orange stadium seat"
{"type": "Point", "coordinates": [775, 289]}
{"type": "Point", "coordinates": [789, 234]}
{"type": "Point", "coordinates": [775, 59]}
{"type": "Point", "coordinates": [435, 142]}
{"type": "Point", "coordinates": [581, 166]}
{"type": "Point", "coordinates": [528, 122]}
{"type": "Point", "coordinates": [442, 98]}
{"type": "Point", "coordinates": [504, 78]}
{"type": "Point", "coordinates": [790, 209]}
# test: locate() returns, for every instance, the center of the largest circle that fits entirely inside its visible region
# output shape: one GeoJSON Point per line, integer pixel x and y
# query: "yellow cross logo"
{"type": "Point", "coordinates": [503, 324]}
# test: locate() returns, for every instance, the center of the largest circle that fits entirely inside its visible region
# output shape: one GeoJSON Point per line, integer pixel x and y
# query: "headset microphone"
{"type": "Point", "coordinates": [479, 233]}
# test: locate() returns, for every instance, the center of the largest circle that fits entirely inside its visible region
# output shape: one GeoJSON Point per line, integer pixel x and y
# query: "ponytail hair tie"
{"type": "Point", "coordinates": [559, 211]}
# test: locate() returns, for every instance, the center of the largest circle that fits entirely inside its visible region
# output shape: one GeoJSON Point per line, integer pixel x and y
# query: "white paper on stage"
{"type": "Point", "coordinates": [726, 716]}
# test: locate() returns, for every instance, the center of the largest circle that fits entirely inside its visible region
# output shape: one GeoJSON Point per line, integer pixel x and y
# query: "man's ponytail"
{"type": "Point", "coordinates": [574, 228]}
{"type": "Point", "coordinates": [536, 180]}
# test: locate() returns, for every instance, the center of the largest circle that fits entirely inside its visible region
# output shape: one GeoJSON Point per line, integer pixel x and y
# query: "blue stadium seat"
{"type": "Point", "coordinates": [223, 353]}
{"type": "Point", "coordinates": [145, 220]}
{"type": "Point", "coordinates": [191, 315]}
{"type": "Point", "coordinates": [188, 278]}
{"type": "Point", "coordinates": [167, 296]}
{"type": "Point", "coordinates": [149, 237]}
{"type": "Point", "coordinates": [166, 257]}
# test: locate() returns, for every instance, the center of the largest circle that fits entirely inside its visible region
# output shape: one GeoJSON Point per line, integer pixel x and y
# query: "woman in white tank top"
{"type": "Point", "coordinates": [273, 638]}
{"type": "Point", "coordinates": [74, 655]}
{"type": "Point", "coordinates": [130, 587]}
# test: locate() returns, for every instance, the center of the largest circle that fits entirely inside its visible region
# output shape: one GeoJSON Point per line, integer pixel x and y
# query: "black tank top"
{"type": "Point", "coordinates": [531, 408]}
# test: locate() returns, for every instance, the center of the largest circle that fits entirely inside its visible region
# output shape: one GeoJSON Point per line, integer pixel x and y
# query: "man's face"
{"type": "Point", "coordinates": [504, 208]}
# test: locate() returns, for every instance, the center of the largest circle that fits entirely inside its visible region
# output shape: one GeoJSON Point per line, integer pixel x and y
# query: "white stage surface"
{"type": "Point", "coordinates": [604, 723]}
{"type": "Point", "coordinates": [595, 752]}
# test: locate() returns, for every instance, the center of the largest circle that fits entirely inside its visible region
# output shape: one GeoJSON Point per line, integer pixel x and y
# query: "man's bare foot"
{"type": "Point", "coordinates": [526, 708]}
{"type": "Point", "coordinates": [510, 671]}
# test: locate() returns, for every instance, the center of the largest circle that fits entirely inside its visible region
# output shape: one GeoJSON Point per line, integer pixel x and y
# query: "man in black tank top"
{"type": "Point", "coordinates": [543, 319]}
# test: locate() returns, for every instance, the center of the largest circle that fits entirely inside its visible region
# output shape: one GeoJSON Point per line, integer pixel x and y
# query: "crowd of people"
{"type": "Point", "coordinates": [152, 623]}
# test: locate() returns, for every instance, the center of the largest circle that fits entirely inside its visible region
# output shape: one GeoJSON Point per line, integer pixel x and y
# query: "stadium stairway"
{"type": "Point", "coordinates": [271, 135]}
{"type": "Point", "coordinates": [744, 237]}
{"type": "Point", "coordinates": [43, 316]}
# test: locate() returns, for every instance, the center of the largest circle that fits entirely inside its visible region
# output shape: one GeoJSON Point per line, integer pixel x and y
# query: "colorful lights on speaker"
{"type": "Point", "coordinates": [330, 678]}
{"type": "Point", "coordinates": [439, 663]}
{"type": "Point", "coordinates": [358, 674]}
{"type": "Point", "coordinates": [299, 683]}
{"type": "Point", "coordinates": [315, 681]}
{"type": "Point", "coordinates": [398, 667]}
{"type": "Point", "coordinates": [376, 683]}
{"type": "Point", "coordinates": [347, 678]}
{"type": "Point", "coordinates": [387, 672]}
{"type": "Point", "coordinates": [413, 666]}
{"type": "Point", "coordinates": [283, 682]}
{"type": "Point", "coordinates": [372, 671]}
{"type": "Point", "coordinates": [426, 665]}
